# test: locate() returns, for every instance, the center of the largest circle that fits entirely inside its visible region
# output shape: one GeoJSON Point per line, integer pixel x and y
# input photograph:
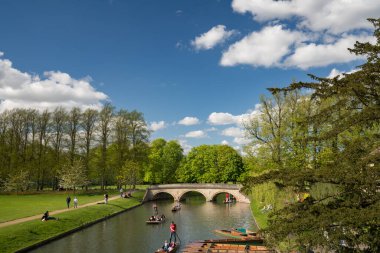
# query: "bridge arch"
{"type": "Point", "coordinates": [180, 197]}
{"type": "Point", "coordinates": [162, 192]}
{"type": "Point", "coordinates": [213, 197]}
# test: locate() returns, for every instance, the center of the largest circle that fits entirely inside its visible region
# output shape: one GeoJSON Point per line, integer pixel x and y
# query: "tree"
{"type": "Point", "coordinates": [105, 117]}
{"type": "Point", "coordinates": [138, 137]}
{"type": "Point", "coordinates": [89, 119]}
{"type": "Point", "coordinates": [347, 217]}
{"type": "Point", "coordinates": [43, 140]}
{"type": "Point", "coordinates": [18, 182]}
{"type": "Point", "coordinates": [59, 119]}
{"type": "Point", "coordinates": [73, 175]}
{"type": "Point", "coordinates": [211, 164]}
{"type": "Point", "coordinates": [155, 167]}
{"type": "Point", "coordinates": [74, 118]}
{"type": "Point", "coordinates": [172, 155]}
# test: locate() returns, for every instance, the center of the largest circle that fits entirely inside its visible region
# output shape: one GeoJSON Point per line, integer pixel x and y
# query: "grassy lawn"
{"type": "Point", "coordinates": [20, 206]}
{"type": "Point", "coordinates": [260, 217]}
{"type": "Point", "coordinates": [19, 236]}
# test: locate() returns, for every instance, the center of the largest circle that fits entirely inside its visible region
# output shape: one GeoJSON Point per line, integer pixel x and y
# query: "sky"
{"type": "Point", "coordinates": [195, 69]}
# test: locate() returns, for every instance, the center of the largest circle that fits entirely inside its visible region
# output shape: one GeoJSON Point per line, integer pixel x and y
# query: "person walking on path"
{"type": "Point", "coordinates": [173, 228]}
{"type": "Point", "coordinates": [106, 198]}
{"type": "Point", "coordinates": [121, 192]}
{"type": "Point", "coordinates": [75, 202]}
{"type": "Point", "coordinates": [68, 200]}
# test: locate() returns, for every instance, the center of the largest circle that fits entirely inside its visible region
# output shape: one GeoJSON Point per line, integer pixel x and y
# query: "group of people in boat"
{"type": "Point", "coordinates": [157, 218]}
{"type": "Point", "coordinates": [168, 247]}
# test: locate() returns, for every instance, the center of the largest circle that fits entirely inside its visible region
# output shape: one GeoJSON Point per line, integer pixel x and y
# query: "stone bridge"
{"type": "Point", "coordinates": [209, 191]}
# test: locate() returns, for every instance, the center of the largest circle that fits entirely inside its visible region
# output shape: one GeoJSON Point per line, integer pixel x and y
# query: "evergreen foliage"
{"type": "Point", "coordinates": [341, 135]}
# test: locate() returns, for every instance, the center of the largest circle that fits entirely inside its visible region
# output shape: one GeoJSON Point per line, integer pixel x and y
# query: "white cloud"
{"type": "Point", "coordinates": [313, 55]}
{"type": "Point", "coordinates": [241, 140]}
{"type": "Point", "coordinates": [334, 16]}
{"type": "Point", "coordinates": [237, 133]}
{"type": "Point", "coordinates": [216, 35]}
{"type": "Point", "coordinates": [189, 121]}
{"type": "Point", "coordinates": [196, 134]}
{"type": "Point", "coordinates": [155, 126]}
{"type": "Point", "coordinates": [221, 118]}
{"type": "Point", "coordinates": [335, 72]}
{"type": "Point", "coordinates": [233, 132]}
{"type": "Point", "coordinates": [225, 118]}
{"type": "Point", "coordinates": [264, 48]}
{"type": "Point", "coordinates": [224, 142]}
{"type": "Point", "coordinates": [1, 53]}
{"type": "Point", "coordinates": [23, 90]}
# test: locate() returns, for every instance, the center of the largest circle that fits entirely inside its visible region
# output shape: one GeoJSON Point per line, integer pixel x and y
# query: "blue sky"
{"type": "Point", "coordinates": [171, 59]}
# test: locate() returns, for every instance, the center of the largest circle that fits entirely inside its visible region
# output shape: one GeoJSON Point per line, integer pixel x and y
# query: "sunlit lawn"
{"type": "Point", "coordinates": [20, 206]}
{"type": "Point", "coordinates": [21, 235]}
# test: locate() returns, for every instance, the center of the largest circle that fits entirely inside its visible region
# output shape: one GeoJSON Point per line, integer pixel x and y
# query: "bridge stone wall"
{"type": "Point", "coordinates": [209, 191]}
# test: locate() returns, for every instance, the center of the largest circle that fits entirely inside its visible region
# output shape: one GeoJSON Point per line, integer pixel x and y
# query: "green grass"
{"type": "Point", "coordinates": [20, 206]}
{"type": "Point", "coordinates": [25, 234]}
{"type": "Point", "coordinates": [260, 217]}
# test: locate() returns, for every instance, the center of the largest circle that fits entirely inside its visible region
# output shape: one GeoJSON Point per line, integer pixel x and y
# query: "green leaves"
{"type": "Point", "coordinates": [332, 153]}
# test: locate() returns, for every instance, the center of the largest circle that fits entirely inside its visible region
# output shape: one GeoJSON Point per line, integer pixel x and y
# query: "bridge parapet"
{"type": "Point", "coordinates": [207, 190]}
{"type": "Point", "coordinates": [196, 186]}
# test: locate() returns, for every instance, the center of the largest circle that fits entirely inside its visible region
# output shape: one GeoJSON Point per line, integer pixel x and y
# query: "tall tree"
{"type": "Point", "coordinates": [88, 122]}
{"type": "Point", "coordinates": [172, 155]}
{"type": "Point", "coordinates": [138, 136]}
{"type": "Point", "coordinates": [43, 139]}
{"type": "Point", "coordinates": [153, 173]}
{"type": "Point", "coordinates": [73, 122]}
{"type": "Point", "coordinates": [105, 120]}
{"type": "Point", "coordinates": [59, 120]}
{"type": "Point", "coordinates": [211, 164]}
{"type": "Point", "coordinates": [346, 219]}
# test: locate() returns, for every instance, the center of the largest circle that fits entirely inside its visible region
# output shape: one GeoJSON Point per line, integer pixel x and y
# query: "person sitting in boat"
{"type": "Point", "coordinates": [166, 246]}
{"type": "Point", "coordinates": [158, 218]}
{"type": "Point", "coordinates": [162, 216]}
{"type": "Point", "coordinates": [171, 246]}
{"type": "Point", "coordinates": [152, 218]}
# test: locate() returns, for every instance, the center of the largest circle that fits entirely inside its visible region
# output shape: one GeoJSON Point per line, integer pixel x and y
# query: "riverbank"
{"type": "Point", "coordinates": [24, 235]}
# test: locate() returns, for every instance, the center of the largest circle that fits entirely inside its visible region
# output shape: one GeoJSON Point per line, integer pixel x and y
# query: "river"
{"type": "Point", "coordinates": [128, 232]}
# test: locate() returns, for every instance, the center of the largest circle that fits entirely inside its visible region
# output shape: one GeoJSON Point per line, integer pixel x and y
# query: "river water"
{"type": "Point", "coordinates": [129, 233]}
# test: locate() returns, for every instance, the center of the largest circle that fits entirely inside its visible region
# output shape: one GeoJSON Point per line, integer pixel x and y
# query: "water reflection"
{"type": "Point", "coordinates": [129, 233]}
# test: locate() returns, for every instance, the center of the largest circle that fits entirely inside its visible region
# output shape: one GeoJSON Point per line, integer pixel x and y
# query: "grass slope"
{"type": "Point", "coordinates": [19, 206]}
{"type": "Point", "coordinates": [22, 235]}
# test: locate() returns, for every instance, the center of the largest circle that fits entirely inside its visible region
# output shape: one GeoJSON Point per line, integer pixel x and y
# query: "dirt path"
{"type": "Point", "coordinates": [35, 217]}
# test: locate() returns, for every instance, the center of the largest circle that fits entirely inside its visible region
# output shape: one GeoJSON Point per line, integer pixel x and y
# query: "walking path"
{"type": "Point", "coordinates": [35, 217]}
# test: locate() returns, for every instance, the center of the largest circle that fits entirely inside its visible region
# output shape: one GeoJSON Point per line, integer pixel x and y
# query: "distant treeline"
{"type": "Point", "coordinates": [40, 149]}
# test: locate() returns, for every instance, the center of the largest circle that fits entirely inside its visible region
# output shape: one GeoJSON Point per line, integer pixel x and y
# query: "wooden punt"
{"type": "Point", "coordinates": [225, 248]}
{"type": "Point", "coordinates": [156, 221]}
{"type": "Point", "coordinates": [250, 241]}
{"type": "Point", "coordinates": [238, 234]}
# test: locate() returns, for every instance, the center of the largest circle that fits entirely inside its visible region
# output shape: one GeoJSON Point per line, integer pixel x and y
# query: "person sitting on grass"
{"type": "Point", "coordinates": [46, 217]}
